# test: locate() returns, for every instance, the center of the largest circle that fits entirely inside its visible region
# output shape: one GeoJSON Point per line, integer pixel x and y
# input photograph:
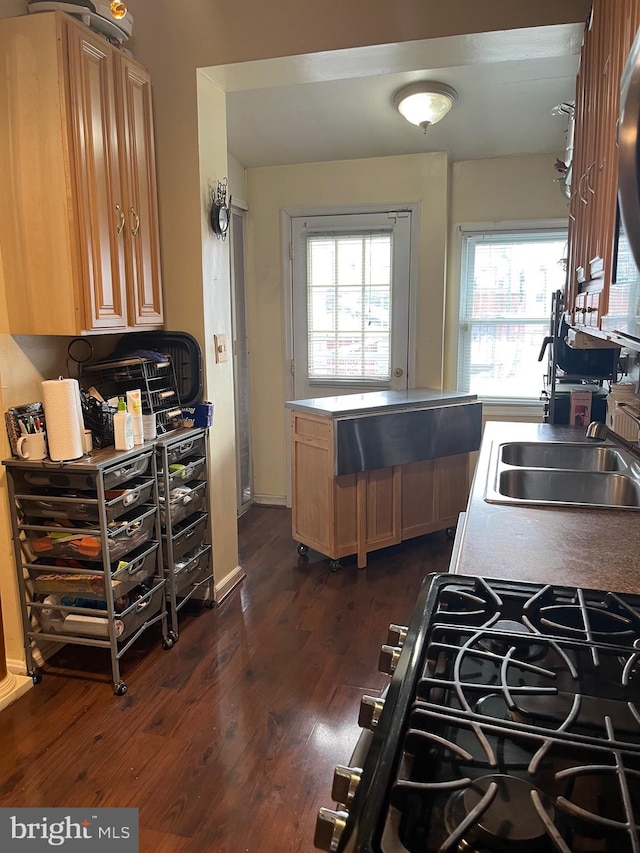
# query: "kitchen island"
{"type": "Point", "coordinates": [575, 546]}
{"type": "Point", "coordinates": [371, 470]}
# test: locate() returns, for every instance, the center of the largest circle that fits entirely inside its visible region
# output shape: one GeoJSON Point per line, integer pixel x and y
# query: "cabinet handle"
{"type": "Point", "coordinates": [588, 172]}
{"type": "Point", "coordinates": [136, 228]}
{"type": "Point", "coordinates": [132, 529]}
{"type": "Point", "coordinates": [583, 200]}
{"type": "Point", "coordinates": [142, 605]}
{"type": "Point", "coordinates": [136, 565]}
{"type": "Point", "coordinates": [122, 218]}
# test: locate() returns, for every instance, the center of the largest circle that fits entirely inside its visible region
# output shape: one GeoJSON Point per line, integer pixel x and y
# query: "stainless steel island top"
{"type": "Point", "coordinates": [378, 402]}
{"type": "Point", "coordinates": [386, 428]}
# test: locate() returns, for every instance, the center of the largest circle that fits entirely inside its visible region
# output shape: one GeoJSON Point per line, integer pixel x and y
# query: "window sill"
{"type": "Point", "coordinates": [521, 410]}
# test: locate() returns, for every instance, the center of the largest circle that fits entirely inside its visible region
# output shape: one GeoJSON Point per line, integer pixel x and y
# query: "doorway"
{"type": "Point", "coordinates": [351, 277]}
{"type": "Point", "coordinates": [241, 355]}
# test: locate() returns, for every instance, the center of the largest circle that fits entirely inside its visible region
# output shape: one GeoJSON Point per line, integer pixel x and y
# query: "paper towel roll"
{"type": "Point", "coordinates": [63, 414]}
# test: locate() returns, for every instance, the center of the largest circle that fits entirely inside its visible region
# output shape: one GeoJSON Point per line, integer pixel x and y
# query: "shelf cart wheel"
{"type": "Point", "coordinates": [209, 603]}
{"type": "Point", "coordinates": [303, 550]}
{"type": "Point", "coordinates": [451, 532]}
{"type": "Point", "coordinates": [36, 676]}
{"type": "Point", "coordinates": [167, 643]}
{"type": "Point", "coordinates": [334, 565]}
{"type": "Point", "coordinates": [120, 688]}
{"type": "Point", "coordinates": [171, 635]}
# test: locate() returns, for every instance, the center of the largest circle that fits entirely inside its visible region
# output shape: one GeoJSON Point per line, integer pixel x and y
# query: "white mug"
{"type": "Point", "coordinates": [32, 446]}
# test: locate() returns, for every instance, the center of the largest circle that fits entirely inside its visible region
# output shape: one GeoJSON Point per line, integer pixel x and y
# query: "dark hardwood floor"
{"type": "Point", "coordinates": [227, 742]}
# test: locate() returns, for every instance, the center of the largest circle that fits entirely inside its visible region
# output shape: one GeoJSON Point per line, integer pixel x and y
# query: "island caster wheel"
{"type": "Point", "coordinates": [451, 532]}
{"type": "Point", "coordinates": [303, 550]}
{"type": "Point", "coordinates": [334, 565]}
{"type": "Point", "coordinates": [167, 643]}
{"type": "Point", "coordinates": [120, 688]}
{"type": "Point", "coordinates": [36, 677]}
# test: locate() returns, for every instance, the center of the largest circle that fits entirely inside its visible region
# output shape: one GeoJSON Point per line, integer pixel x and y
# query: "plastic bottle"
{"type": "Point", "coordinates": [134, 407]}
{"type": "Point", "coordinates": [123, 427]}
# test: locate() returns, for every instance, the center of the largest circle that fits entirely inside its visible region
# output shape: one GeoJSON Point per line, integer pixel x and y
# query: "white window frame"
{"type": "Point", "coordinates": [289, 213]}
{"type": "Point", "coordinates": [498, 404]}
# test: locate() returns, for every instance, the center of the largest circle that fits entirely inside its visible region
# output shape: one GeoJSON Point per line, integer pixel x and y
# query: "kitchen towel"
{"type": "Point", "coordinates": [63, 412]}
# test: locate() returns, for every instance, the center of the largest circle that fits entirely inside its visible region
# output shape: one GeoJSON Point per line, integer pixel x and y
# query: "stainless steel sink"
{"type": "Point", "coordinates": [563, 474]}
{"type": "Point", "coordinates": [592, 488]}
{"type": "Point", "coordinates": [577, 457]}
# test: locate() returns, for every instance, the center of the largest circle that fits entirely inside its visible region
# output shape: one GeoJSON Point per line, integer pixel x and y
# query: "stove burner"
{"type": "Point", "coordinates": [499, 813]}
{"type": "Point", "coordinates": [513, 725]}
{"type": "Point", "coordinates": [526, 648]}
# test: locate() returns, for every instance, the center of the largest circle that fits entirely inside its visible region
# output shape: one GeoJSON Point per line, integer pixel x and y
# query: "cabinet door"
{"type": "Point", "coordinates": [433, 493]}
{"type": "Point", "coordinates": [592, 207]}
{"type": "Point", "coordinates": [101, 216]}
{"type": "Point", "coordinates": [140, 194]}
{"type": "Point", "coordinates": [451, 487]}
{"type": "Point", "coordinates": [379, 507]}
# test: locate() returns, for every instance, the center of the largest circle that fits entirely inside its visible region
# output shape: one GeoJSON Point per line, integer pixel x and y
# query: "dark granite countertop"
{"type": "Point", "coordinates": [375, 402]}
{"type": "Point", "coordinates": [597, 548]}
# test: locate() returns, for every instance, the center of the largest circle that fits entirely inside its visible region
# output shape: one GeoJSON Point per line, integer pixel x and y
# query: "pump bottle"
{"type": "Point", "coordinates": [123, 427]}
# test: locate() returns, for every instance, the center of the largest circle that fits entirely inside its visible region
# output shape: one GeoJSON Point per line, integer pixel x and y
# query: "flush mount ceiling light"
{"type": "Point", "coordinates": [424, 103]}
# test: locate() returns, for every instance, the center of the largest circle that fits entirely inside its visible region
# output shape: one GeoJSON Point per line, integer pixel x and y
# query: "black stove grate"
{"type": "Point", "coordinates": [516, 724]}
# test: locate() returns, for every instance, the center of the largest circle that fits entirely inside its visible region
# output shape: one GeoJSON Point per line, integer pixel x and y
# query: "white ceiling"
{"type": "Point", "coordinates": [337, 105]}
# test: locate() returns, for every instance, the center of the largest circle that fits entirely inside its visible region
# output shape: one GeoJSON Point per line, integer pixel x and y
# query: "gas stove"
{"type": "Point", "coordinates": [511, 722]}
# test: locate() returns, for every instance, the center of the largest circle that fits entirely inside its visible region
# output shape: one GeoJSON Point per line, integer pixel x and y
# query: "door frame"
{"type": "Point", "coordinates": [240, 209]}
{"type": "Point", "coordinates": [286, 267]}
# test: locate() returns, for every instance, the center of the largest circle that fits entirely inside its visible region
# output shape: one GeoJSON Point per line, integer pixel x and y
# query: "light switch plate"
{"type": "Point", "coordinates": [220, 342]}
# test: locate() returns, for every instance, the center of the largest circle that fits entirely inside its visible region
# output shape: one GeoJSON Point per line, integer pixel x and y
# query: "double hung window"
{"type": "Point", "coordinates": [508, 278]}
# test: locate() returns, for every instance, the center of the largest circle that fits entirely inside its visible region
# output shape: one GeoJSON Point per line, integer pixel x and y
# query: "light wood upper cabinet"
{"type": "Point", "coordinates": [139, 191]}
{"type": "Point", "coordinates": [96, 166]}
{"type": "Point", "coordinates": [79, 230]}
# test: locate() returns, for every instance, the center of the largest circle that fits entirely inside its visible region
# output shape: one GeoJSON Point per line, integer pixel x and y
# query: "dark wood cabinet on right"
{"type": "Point", "coordinates": [608, 36]}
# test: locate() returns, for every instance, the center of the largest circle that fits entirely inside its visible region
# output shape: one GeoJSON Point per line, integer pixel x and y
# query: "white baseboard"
{"type": "Point", "coordinates": [270, 500]}
{"type": "Point", "coordinates": [222, 589]}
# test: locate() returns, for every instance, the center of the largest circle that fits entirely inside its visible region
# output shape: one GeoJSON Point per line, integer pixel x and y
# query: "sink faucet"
{"type": "Point", "coordinates": [599, 431]}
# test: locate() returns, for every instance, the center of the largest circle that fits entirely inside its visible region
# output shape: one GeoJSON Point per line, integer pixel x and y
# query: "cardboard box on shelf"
{"type": "Point", "coordinates": [580, 408]}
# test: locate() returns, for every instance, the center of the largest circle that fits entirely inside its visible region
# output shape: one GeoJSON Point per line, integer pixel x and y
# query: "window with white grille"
{"type": "Point", "coordinates": [350, 290]}
{"type": "Point", "coordinates": [349, 306]}
{"type": "Point", "coordinates": [507, 282]}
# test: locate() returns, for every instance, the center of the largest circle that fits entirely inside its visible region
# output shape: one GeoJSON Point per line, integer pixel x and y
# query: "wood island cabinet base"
{"type": "Point", "coordinates": [358, 513]}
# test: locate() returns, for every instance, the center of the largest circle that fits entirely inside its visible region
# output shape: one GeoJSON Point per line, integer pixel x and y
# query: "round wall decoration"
{"type": "Point", "coordinates": [220, 216]}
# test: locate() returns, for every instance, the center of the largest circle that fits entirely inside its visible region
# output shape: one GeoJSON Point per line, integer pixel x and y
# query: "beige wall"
{"type": "Point", "coordinates": [499, 189]}
{"type": "Point", "coordinates": [496, 190]}
{"type": "Point", "coordinates": [237, 182]}
{"type": "Point", "coordinates": [418, 178]}
{"type": "Point", "coordinates": [24, 363]}
{"type": "Point", "coordinates": [214, 32]}
{"type": "Point", "coordinates": [213, 292]}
